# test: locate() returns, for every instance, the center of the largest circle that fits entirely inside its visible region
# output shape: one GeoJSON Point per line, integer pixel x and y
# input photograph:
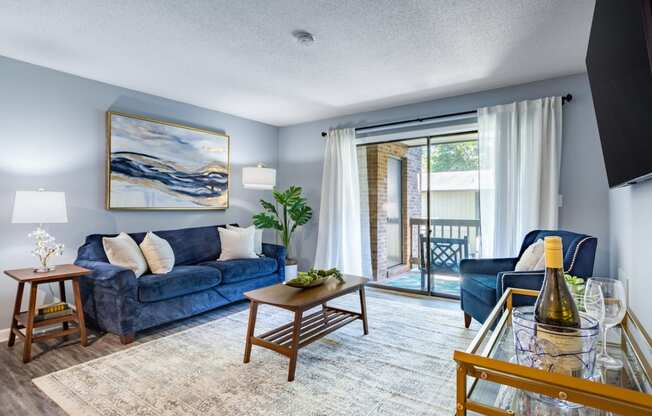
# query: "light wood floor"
{"type": "Point", "coordinates": [18, 396]}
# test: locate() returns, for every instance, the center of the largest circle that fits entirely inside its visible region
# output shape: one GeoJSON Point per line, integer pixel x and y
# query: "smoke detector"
{"type": "Point", "coordinates": [303, 37]}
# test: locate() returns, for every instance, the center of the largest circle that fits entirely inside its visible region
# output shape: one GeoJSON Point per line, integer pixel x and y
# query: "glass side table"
{"type": "Point", "coordinates": [490, 382]}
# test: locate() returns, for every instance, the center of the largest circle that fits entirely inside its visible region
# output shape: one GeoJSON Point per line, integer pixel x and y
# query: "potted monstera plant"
{"type": "Point", "coordinates": [293, 211]}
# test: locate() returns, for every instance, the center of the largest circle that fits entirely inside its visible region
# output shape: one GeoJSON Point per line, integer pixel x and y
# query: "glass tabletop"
{"type": "Point", "coordinates": [501, 347]}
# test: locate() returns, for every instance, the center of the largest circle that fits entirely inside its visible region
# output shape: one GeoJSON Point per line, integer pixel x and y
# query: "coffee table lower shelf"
{"type": "Point", "coordinates": [313, 327]}
{"type": "Point", "coordinates": [289, 338]}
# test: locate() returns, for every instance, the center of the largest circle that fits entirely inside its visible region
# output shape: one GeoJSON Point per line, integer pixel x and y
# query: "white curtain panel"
{"type": "Point", "coordinates": [520, 162]}
{"type": "Point", "coordinates": [339, 241]}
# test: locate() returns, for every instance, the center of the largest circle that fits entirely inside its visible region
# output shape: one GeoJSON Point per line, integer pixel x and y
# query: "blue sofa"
{"type": "Point", "coordinates": [485, 280]}
{"type": "Point", "coordinates": [118, 302]}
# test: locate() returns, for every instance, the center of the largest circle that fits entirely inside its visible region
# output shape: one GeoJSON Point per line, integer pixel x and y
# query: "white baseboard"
{"type": "Point", "coordinates": [4, 334]}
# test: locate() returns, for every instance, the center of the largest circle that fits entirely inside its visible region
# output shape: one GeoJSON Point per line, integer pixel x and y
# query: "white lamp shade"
{"type": "Point", "coordinates": [39, 207]}
{"type": "Point", "coordinates": [258, 178]}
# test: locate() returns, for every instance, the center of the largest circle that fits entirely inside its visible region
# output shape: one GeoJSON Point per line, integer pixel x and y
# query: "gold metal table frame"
{"type": "Point", "coordinates": [476, 364]}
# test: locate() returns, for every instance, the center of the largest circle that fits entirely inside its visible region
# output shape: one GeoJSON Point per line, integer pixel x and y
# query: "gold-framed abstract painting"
{"type": "Point", "coordinates": [158, 165]}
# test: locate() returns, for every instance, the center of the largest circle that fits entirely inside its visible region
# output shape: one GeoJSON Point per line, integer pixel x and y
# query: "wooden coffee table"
{"type": "Point", "coordinates": [289, 338]}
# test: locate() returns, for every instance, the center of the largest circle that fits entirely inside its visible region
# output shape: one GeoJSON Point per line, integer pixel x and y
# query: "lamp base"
{"type": "Point", "coordinates": [44, 269]}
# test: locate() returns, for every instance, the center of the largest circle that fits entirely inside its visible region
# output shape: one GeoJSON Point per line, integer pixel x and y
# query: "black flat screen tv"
{"type": "Point", "coordinates": [619, 65]}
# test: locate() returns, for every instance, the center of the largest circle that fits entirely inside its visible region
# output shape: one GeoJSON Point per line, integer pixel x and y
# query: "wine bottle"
{"type": "Point", "coordinates": [555, 304]}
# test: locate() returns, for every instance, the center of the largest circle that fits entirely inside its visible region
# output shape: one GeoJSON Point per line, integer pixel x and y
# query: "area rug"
{"type": "Point", "coordinates": [403, 367]}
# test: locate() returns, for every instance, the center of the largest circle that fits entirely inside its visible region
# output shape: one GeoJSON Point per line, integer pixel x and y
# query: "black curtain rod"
{"type": "Point", "coordinates": [564, 99]}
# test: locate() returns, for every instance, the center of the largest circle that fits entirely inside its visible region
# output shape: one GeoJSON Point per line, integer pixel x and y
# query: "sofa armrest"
{"type": "Point", "coordinates": [277, 252]}
{"type": "Point", "coordinates": [487, 266]}
{"type": "Point", "coordinates": [110, 276]}
{"type": "Point", "coordinates": [110, 296]}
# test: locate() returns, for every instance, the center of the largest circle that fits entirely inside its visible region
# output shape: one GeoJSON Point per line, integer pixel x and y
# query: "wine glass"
{"type": "Point", "coordinates": [614, 308]}
{"type": "Point", "coordinates": [593, 301]}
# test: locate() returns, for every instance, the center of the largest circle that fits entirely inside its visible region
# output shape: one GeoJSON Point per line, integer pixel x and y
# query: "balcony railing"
{"type": "Point", "coordinates": [441, 228]}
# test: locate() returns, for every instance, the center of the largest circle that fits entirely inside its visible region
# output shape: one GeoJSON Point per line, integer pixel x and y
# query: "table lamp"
{"type": "Point", "coordinates": [258, 177]}
{"type": "Point", "coordinates": [41, 207]}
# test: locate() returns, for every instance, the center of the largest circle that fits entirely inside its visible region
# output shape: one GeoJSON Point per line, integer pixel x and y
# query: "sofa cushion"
{"type": "Point", "coordinates": [158, 253]}
{"type": "Point", "coordinates": [235, 291]}
{"type": "Point", "coordinates": [190, 245]}
{"type": "Point", "coordinates": [243, 269]}
{"type": "Point", "coordinates": [481, 286]}
{"type": "Point", "coordinates": [181, 280]}
{"type": "Point", "coordinates": [258, 236]}
{"type": "Point", "coordinates": [124, 252]}
{"type": "Point", "coordinates": [237, 244]}
{"type": "Point", "coordinates": [533, 258]}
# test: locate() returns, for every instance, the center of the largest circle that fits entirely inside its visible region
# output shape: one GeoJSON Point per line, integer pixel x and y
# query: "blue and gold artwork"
{"type": "Point", "coordinates": [159, 165]}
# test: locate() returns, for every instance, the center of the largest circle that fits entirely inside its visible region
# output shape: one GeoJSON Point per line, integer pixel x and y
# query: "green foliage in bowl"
{"type": "Point", "coordinates": [314, 278]}
{"type": "Point", "coordinates": [576, 286]}
{"type": "Point", "coordinates": [573, 280]}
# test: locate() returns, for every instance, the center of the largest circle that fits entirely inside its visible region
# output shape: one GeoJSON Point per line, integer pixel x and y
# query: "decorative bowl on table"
{"type": "Point", "coordinates": [301, 285]}
{"type": "Point", "coordinates": [314, 278]}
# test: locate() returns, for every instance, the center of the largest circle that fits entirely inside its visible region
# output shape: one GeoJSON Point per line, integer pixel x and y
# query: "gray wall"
{"type": "Point", "coordinates": [583, 179]}
{"type": "Point", "coordinates": [631, 240]}
{"type": "Point", "coordinates": [52, 133]}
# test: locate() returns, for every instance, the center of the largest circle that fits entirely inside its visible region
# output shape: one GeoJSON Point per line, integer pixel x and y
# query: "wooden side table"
{"type": "Point", "coordinates": [25, 320]}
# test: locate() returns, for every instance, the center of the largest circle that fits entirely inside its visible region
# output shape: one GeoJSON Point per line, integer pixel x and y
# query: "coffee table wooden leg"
{"type": "Point", "coordinates": [296, 332]}
{"type": "Point", "coordinates": [27, 349]}
{"type": "Point", "coordinates": [14, 322]}
{"type": "Point", "coordinates": [323, 311]}
{"type": "Point", "coordinates": [363, 311]}
{"type": "Point", "coordinates": [80, 313]}
{"type": "Point", "coordinates": [253, 310]}
{"type": "Point", "coordinates": [62, 297]}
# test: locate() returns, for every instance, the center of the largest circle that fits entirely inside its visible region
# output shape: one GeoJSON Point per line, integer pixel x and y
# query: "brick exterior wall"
{"type": "Point", "coordinates": [414, 162]}
{"type": "Point", "coordinates": [377, 192]}
{"type": "Point", "coordinates": [377, 156]}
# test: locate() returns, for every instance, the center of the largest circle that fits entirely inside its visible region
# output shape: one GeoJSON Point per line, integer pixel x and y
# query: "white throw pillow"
{"type": "Point", "coordinates": [123, 251]}
{"type": "Point", "coordinates": [533, 258]}
{"type": "Point", "coordinates": [158, 253]}
{"type": "Point", "coordinates": [237, 244]}
{"type": "Point", "coordinates": [258, 236]}
{"type": "Point", "coordinates": [541, 264]}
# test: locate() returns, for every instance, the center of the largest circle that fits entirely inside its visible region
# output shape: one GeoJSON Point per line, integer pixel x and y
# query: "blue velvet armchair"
{"type": "Point", "coordinates": [485, 280]}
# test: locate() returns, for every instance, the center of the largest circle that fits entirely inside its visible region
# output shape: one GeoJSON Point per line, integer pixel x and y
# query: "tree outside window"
{"type": "Point", "coordinates": [453, 157]}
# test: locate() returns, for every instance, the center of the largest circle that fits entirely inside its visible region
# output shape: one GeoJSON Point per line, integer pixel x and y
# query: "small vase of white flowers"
{"type": "Point", "coordinates": [46, 247]}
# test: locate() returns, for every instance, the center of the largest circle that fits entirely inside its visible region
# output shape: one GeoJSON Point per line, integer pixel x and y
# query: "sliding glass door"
{"type": "Point", "coordinates": [422, 212]}
{"type": "Point", "coordinates": [452, 207]}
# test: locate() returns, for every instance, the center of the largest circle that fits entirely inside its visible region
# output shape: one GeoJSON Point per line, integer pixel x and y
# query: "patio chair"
{"type": "Point", "coordinates": [445, 255]}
